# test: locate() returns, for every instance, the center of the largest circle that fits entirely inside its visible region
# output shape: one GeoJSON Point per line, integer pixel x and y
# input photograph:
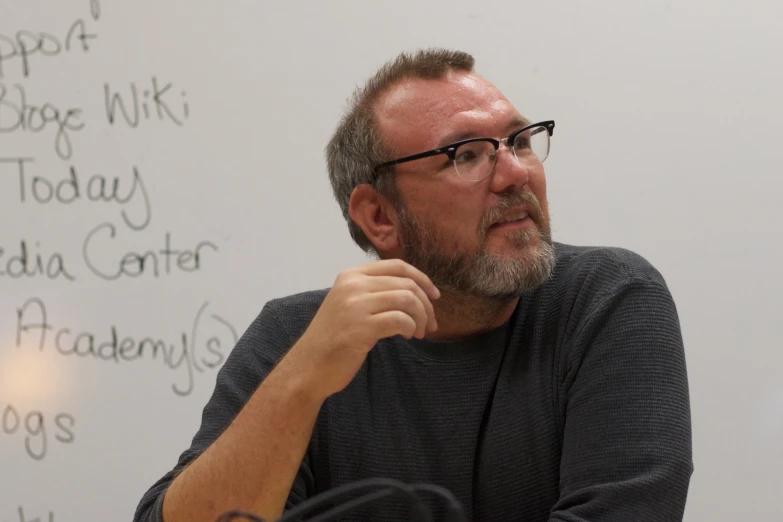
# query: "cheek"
{"type": "Point", "coordinates": [538, 187]}
{"type": "Point", "coordinates": [452, 209]}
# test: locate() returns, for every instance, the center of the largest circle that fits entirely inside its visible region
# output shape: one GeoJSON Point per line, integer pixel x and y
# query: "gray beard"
{"type": "Point", "coordinates": [482, 273]}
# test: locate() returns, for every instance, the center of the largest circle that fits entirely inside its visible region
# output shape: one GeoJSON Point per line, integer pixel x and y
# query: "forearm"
{"type": "Point", "coordinates": [252, 465]}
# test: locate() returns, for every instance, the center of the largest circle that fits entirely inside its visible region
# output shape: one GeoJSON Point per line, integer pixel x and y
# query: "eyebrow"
{"type": "Point", "coordinates": [516, 123]}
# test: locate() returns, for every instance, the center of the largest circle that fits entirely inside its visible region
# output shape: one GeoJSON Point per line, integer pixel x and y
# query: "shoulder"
{"type": "Point", "coordinates": [292, 313]}
{"type": "Point", "coordinates": [590, 279]}
{"type": "Point", "coordinates": [598, 270]}
{"type": "Point", "coordinates": [274, 330]}
{"type": "Point", "coordinates": [303, 303]}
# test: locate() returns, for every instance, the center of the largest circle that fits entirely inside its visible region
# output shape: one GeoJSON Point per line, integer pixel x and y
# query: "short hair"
{"type": "Point", "coordinates": [356, 145]}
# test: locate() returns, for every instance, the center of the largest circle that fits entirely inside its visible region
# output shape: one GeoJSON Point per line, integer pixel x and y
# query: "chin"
{"type": "Point", "coordinates": [516, 242]}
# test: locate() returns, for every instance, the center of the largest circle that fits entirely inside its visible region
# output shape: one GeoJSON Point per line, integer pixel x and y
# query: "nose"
{"type": "Point", "coordinates": [508, 171]}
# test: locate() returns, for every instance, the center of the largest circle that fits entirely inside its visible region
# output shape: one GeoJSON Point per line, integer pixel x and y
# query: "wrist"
{"type": "Point", "coordinates": [298, 376]}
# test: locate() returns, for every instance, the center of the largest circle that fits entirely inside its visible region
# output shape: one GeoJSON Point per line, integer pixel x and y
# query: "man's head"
{"type": "Point", "coordinates": [424, 211]}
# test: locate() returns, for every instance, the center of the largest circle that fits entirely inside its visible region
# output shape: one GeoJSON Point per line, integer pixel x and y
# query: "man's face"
{"type": "Point", "coordinates": [449, 225]}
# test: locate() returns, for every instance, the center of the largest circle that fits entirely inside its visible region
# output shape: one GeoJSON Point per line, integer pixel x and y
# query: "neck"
{"type": "Point", "coordinates": [460, 315]}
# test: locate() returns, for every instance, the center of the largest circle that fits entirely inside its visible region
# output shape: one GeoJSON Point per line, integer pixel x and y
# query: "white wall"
{"type": "Point", "coordinates": [668, 142]}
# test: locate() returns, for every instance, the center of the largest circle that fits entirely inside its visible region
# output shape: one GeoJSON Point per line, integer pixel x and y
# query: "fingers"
{"type": "Point", "coordinates": [399, 268]}
{"type": "Point", "coordinates": [393, 322]}
{"type": "Point", "coordinates": [388, 291]}
{"type": "Point", "coordinates": [401, 300]}
{"type": "Point", "coordinates": [385, 283]}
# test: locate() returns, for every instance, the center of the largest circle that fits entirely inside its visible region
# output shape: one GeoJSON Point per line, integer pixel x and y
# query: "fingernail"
{"type": "Point", "coordinates": [437, 292]}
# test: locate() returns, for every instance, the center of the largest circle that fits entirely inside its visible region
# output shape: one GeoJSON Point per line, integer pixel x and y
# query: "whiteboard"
{"type": "Point", "coordinates": [154, 230]}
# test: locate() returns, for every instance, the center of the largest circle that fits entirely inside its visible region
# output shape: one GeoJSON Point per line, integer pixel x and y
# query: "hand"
{"type": "Point", "coordinates": [366, 304]}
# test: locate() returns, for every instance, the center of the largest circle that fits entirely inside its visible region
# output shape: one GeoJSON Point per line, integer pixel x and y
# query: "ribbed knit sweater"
{"type": "Point", "coordinates": [576, 410]}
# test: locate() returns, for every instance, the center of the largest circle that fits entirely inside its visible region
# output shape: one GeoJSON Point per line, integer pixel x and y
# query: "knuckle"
{"type": "Point", "coordinates": [351, 302]}
{"type": "Point", "coordinates": [410, 328]}
{"type": "Point", "coordinates": [350, 284]}
{"type": "Point", "coordinates": [400, 264]}
{"type": "Point", "coordinates": [408, 298]}
{"type": "Point", "coordinates": [401, 321]}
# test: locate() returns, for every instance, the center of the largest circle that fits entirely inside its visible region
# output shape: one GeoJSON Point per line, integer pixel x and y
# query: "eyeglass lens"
{"type": "Point", "coordinates": [474, 160]}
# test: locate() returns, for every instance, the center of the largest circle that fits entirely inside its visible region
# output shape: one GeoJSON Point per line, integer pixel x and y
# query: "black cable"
{"type": "Point", "coordinates": [454, 509]}
{"type": "Point", "coordinates": [230, 516]}
{"type": "Point", "coordinates": [420, 509]}
{"type": "Point", "coordinates": [455, 512]}
{"type": "Point", "coordinates": [347, 507]}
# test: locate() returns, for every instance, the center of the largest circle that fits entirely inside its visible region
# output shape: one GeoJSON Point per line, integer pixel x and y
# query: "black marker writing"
{"type": "Point", "coordinates": [186, 353]}
{"type": "Point", "coordinates": [95, 9]}
{"type": "Point", "coordinates": [19, 115]}
{"type": "Point", "coordinates": [22, 517]}
{"type": "Point", "coordinates": [128, 106]}
{"type": "Point", "coordinates": [69, 189]}
{"type": "Point", "coordinates": [28, 263]}
{"type": "Point", "coordinates": [32, 426]}
{"type": "Point", "coordinates": [25, 44]}
{"type": "Point", "coordinates": [135, 264]}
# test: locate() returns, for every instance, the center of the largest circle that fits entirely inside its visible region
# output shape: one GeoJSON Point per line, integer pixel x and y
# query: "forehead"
{"type": "Point", "coordinates": [418, 113]}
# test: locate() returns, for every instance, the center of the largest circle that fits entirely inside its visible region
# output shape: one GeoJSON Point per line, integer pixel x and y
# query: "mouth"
{"type": "Point", "coordinates": [516, 218]}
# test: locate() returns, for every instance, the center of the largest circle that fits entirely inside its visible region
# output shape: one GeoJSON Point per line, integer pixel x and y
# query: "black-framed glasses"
{"type": "Point", "coordinates": [473, 159]}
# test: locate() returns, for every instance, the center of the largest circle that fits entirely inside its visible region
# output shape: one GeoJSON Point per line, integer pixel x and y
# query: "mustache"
{"type": "Point", "coordinates": [512, 200]}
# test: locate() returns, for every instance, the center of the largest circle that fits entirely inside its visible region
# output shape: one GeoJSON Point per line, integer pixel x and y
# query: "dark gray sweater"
{"type": "Point", "coordinates": [576, 410]}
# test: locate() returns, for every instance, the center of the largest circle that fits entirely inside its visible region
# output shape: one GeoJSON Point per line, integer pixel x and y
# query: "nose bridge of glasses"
{"type": "Point", "coordinates": [524, 159]}
{"type": "Point", "coordinates": [509, 146]}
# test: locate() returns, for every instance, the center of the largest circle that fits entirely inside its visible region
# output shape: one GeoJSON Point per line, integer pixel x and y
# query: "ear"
{"type": "Point", "coordinates": [375, 215]}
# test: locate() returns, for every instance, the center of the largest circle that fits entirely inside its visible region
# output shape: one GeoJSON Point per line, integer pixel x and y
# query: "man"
{"type": "Point", "coordinates": [536, 381]}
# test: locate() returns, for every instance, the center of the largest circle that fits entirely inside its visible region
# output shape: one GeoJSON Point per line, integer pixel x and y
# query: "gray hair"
{"type": "Point", "coordinates": [356, 145]}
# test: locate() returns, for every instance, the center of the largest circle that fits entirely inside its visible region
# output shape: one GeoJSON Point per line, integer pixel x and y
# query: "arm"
{"type": "Point", "coordinates": [258, 423]}
{"type": "Point", "coordinates": [626, 451]}
{"type": "Point", "coordinates": [252, 465]}
{"type": "Point", "coordinates": [226, 458]}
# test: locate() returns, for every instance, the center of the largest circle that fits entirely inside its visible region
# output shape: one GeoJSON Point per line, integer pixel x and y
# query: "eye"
{"type": "Point", "coordinates": [466, 156]}
{"type": "Point", "coordinates": [522, 141]}
{"type": "Point", "coordinates": [472, 152]}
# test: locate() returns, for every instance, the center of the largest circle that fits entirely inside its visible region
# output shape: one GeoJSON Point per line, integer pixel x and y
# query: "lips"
{"type": "Point", "coordinates": [515, 214]}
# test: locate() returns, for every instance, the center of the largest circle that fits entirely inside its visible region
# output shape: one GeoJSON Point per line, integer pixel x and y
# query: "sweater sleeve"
{"type": "Point", "coordinates": [251, 360]}
{"type": "Point", "coordinates": [626, 448]}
